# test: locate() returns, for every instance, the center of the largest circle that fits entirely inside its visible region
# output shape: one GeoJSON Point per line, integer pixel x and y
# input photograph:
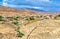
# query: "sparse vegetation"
{"type": "Point", "coordinates": [16, 23]}
{"type": "Point", "coordinates": [19, 24]}
{"type": "Point", "coordinates": [16, 18]}
{"type": "Point", "coordinates": [20, 34]}
{"type": "Point", "coordinates": [1, 18]}
{"type": "Point", "coordinates": [10, 18]}
{"type": "Point", "coordinates": [45, 17]}
{"type": "Point", "coordinates": [13, 18]}
{"type": "Point", "coordinates": [57, 17]}
{"type": "Point", "coordinates": [32, 18]}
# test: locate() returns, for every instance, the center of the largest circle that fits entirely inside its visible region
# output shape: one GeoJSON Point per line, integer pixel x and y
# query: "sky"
{"type": "Point", "coordinates": [46, 5]}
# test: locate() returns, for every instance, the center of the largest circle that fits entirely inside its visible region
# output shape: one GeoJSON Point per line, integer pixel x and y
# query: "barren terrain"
{"type": "Point", "coordinates": [28, 24]}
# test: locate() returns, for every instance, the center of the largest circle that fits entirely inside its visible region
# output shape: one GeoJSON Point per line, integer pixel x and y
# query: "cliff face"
{"type": "Point", "coordinates": [28, 24]}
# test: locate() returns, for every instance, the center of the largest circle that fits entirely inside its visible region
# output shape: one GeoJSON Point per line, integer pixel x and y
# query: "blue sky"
{"type": "Point", "coordinates": [0, 2]}
{"type": "Point", "coordinates": [46, 5]}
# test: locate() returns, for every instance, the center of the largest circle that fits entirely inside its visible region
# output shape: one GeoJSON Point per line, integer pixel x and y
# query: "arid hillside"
{"type": "Point", "coordinates": [28, 24]}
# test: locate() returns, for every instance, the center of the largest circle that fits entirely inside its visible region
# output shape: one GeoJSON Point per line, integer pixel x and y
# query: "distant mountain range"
{"type": "Point", "coordinates": [19, 8]}
{"type": "Point", "coordinates": [36, 9]}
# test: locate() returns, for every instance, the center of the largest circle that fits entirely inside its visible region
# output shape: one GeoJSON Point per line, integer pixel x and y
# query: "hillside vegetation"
{"type": "Point", "coordinates": [28, 24]}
